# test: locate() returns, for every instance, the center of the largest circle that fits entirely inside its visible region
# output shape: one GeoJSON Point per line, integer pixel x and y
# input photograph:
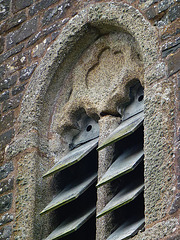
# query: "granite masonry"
{"type": "Point", "coordinates": [40, 43]}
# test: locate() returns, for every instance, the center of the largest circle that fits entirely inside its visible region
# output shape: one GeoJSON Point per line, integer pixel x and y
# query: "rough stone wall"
{"type": "Point", "coordinates": [28, 28]}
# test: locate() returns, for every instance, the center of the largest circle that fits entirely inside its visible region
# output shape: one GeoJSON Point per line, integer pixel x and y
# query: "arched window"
{"type": "Point", "coordinates": [96, 81]}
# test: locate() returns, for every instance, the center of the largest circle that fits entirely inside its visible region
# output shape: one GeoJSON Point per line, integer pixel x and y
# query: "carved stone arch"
{"type": "Point", "coordinates": [36, 114]}
{"type": "Point", "coordinates": [80, 32]}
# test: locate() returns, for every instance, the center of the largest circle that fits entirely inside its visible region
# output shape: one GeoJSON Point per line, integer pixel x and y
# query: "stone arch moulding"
{"type": "Point", "coordinates": [121, 17]}
{"type": "Point", "coordinates": [76, 36]}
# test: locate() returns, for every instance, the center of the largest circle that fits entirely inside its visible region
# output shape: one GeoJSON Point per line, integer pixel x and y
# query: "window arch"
{"type": "Point", "coordinates": [109, 66]}
{"type": "Point", "coordinates": [36, 110]}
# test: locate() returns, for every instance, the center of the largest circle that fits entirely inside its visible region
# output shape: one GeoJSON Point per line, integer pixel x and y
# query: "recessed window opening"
{"type": "Point", "coordinates": [133, 209]}
{"type": "Point", "coordinates": [126, 174]}
{"type": "Point", "coordinates": [76, 178]}
{"type": "Point", "coordinates": [75, 202]}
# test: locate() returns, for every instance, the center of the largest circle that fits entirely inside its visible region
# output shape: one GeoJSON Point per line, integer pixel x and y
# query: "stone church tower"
{"type": "Point", "coordinates": [89, 129]}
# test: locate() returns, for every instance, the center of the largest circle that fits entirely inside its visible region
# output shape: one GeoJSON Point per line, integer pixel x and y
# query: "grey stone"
{"type": "Point", "coordinates": [163, 21]}
{"type": "Point", "coordinates": [6, 185]}
{"type": "Point", "coordinates": [29, 141]}
{"type": "Point", "coordinates": [164, 5]}
{"type": "Point", "coordinates": [4, 96]}
{"type": "Point", "coordinates": [56, 13]}
{"type": "Point", "coordinates": [171, 48]}
{"type": "Point", "coordinates": [4, 9]}
{"type": "Point", "coordinates": [12, 103]}
{"type": "Point", "coordinates": [39, 49]}
{"type": "Point", "coordinates": [176, 204]}
{"type": "Point", "coordinates": [54, 35]}
{"type": "Point", "coordinates": [173, 63]}
{"type": "Point", "coordinates": [25, 31]}
{"type": "Point", "coordinates": [6, 137]}
{"type": "Point", "coordinates": [20, 4]}
{"type": "Point", "coordinates": [6, 218]}
{"type": "Point", "coordinates": [2, 71]}
{"type": "Point", "coordinates": [46, 31]}
{"type": "Point", "coordinates": [174, 13]}
{"type": "Point", "coordinates": [6, 202]}
{"type": "Point", "coordinates": [151, 12]}
{"type": "Point", "coordinates": [173, 237]}
{"type": "Point", "coordinates": [6, 169]}
{"type": "Point", "coordinates": [8, 82]}
{"type": "Point", "coordinates": [18, 89]}
{"type": "Point", "coordinates": [7, 121]}
{"type": "Point", "coordinates": [15, 21]}
{"type": "Point", "coordinates": [5, 233]}
{"type": "Point", "coordinates": [1, 44]}
{"type": "Point", "coordinates": [41, 5]}
{"type": "Point", "coordinates": [11, 52]}
{"type": "Point", "coordinates": [26, 73]}
{"type": "Point", "coordinates": [2, 27]}
{"type": "Point", "coordinates": [17, 62]}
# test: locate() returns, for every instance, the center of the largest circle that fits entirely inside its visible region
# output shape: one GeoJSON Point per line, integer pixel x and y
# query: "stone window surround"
{"type": "Point", "coordinates": [27, 139]}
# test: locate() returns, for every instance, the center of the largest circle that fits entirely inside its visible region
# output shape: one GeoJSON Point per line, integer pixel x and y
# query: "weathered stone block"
{"type": "Point", "coordinates": [20, 4]}
{"type": "Point", "coordinates": [12, 103]}
{"type": "Point", "coordinates": [41, 5]}
{"type": "Point", "coordinates": [4, 96]}
{"type": "Point", "coordinates": [174, 13]}
{"type": "Point", "coordinates": [56, 13]}
{"type": "Point", "coordinates": [18, 89]}
{"type": "Point", "coordinates": [26, 30]}
{"type": "Point", "coordinates": [170, 48]}
{"type": "Point", "coordinates": [17, 62]}
{"type": "Point", "coordinates": [39, 49]}
{"type": "Point", "coordinates": [173, 63]}
{"type": "Point", "coordinates": [8, 82]}
{"type": "Point", "coordinates": [6, 137]}
{"type": "Point", "coordinates": [1, 157]}
{"type": "Point", "coordinates": [7, 121]}
{"type": "Point", "coordinates": [54, 35]}
{"type": "Point", "coordinates": [6, 185]}
{"type": "Point", "coordinates": [176, 204]}
{"type": "Point", "coordinates": [171, 30]}
{"type": "Point", "coordinates": [10, 53]}
{"type": "Point", "coordinates": [5, 233]}
{"type": "Point", "coordinates": [15, 21]}
{"type": "Point", "coordinates": [6, 218]}
{"type": "Point", "coordinates": [45, 32]}
{"type": "Point", "coordinates": [1, 44]}
{"type": "Point", "coordinates": [2, 71]}
{"type": "Point", "coordinates": [4, 9]}
{"type": "Point", "coordinates": [27, 72]}
{"type": "Point", "coordinates": [5, 202]}
{"type": "Point", "coordinates": [151, 12]}
{"type": "Point", "coordinates": [6, 169]}
{"type": "Point", "coordinates": [173, 237]}
{"type": "Point", "coordinates": [164, 5]}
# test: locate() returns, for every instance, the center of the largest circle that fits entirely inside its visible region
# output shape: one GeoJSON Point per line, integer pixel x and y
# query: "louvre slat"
{"type": "Point", "coordinates": [127, 230]}
{"type": "Point", "coordinates": [73, 157]}
{"type": "Point", "coordinates": [124, 129]}
{"type": "Point", "coordinates": [136, 106]}
{"type": "Point", "coordinates": [122, 165]}
{"type": "Point", "coordinates": [71, 224]}
{"type": "Point", "coordinates": [126, 195]}
{"type": "Point", "coordinates": [89, 131]}
{"type": "Point", "coordinates": [71, 192]}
